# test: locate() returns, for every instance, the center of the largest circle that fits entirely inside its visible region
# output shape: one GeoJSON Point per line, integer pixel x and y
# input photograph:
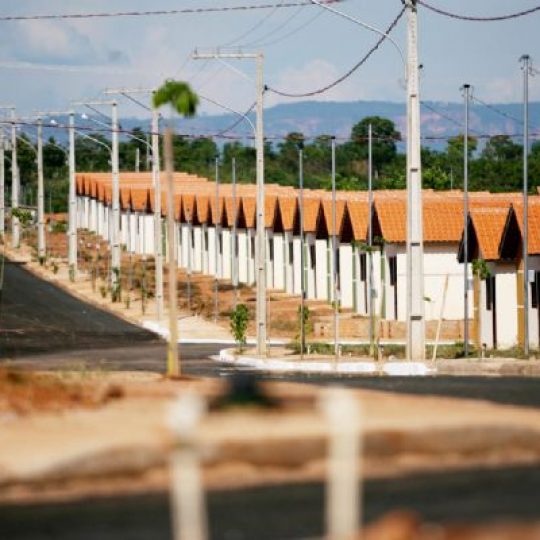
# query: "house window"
{"type": "Point", "coordinates": [363, 267]}
{"type": "Point", "coordinates": [220, 243]}
{"type": "Point", "coordinates": [271, 250]}
{"type": "Point", "coordinates": [392, 264]}
{"type": "Point", "coordinates": [312, 256]}
{"type": "Point", "coordinates": [291, 253]}
{"type": "Point", "coordinates": [252, 246]}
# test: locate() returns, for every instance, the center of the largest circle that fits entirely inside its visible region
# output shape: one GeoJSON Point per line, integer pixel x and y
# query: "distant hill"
{"type": "Point", "coordinates": [315, 118]}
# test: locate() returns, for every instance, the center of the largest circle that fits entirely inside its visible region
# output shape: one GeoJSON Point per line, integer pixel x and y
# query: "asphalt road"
{"type": "Point", "coordinates": [41, 326]}
{"type": "Point", "coordinates": [284, 512]}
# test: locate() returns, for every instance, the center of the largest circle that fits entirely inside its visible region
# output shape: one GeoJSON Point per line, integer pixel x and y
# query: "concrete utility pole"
{"type": "Point", "coordinates": [467, 95]}
{"type": "Point", "coordinates": [217, 229]}
{"type": "Point", "coordinates": [526, 66]}
{"type": "Point", "coordinates": [158, 247]}
{"type": "Point", "coordinates": [15, 225]}
{"type": "Point", "coordinates": [234, 257]}
{"type": "Point", "coordinates": [415, 247]}
{"type": "Point", "coordinates": [336, 292]}
{"type": "Point", "coordinates": [302, 255]}
{"type": "Point", "coordinates": [153, 150]}
{"type": "Point", "coordinates": [40, 194]}
{"type": "Point", "coordinates": [370, 244]}
{"type": "Point", "coordinates": [2, 186]}
{"type": "Point", "coordinates": [115, 228]}
{"type": "Point", "coordinates": [72, 207]}
{"type": "Point", "coordinates": [137, 160]}
{"type": "Point", "coordinates": [260, 244]}
{"type": "Point", "coordinates": [115, 251]}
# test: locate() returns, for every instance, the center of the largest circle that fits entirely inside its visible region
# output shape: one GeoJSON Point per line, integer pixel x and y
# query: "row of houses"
{"type": "Point", "coordinates": [215, 235]}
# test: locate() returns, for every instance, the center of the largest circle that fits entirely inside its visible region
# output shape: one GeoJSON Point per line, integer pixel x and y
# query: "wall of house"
{"type": "Point", "coordinates": [506, 304]}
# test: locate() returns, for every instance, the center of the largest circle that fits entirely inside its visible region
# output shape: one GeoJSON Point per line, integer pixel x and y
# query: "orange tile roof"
{"type": "Point", "coordinates": [287, 208]}
{"type": "Point", "coordinates": [328, 214]}
{"type": "Point", "coordinates": [533, 225]}
{"type": "Point", "coordinates": [488, 224]}
{"type": "Point", "coordinates": [359, 216]}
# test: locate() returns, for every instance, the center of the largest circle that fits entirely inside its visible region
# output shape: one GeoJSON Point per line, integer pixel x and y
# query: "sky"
{"type": "Point", "coordinates": [45, 65]}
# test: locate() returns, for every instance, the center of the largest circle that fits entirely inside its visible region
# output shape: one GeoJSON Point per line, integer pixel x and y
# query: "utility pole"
{"type": "Point", "coordinates": [15, 224]}
{"type": "Point", "coordinates": [40, 194]}
{"type": "Point", "coordinates": [2, 186]}
{"type": "Point", "coordinates": [467, 95]}
{"type": "Point", "coordinates": [152, 149]}
{"type": "Point", "coordinates": [137, 159]}
{"type": "Point", "coordinates": [415, 247]}
{"type": "Point", "coordinates": [115, 252]}
{"type": "Point", "coordinates": [115, 227]}
{"type": "Point", "coordinates": [158, 246]}
{"type": "Point", "coordinates": [72, 207]}
{"type": "Point", "coordinates": [370, 243]}
{"type": "Point", "coordinates": [302, 255]}
{"type": "Point", "coordinates": [216, 242]}
{"type": "Point", "coordinates": [335, 254]}
{"type": "Point", "coordinates": [234, 240]}
{"type": "Point", "coordinates": [526, 66]}
{"type": "Point", "coordinates": [260, 244]}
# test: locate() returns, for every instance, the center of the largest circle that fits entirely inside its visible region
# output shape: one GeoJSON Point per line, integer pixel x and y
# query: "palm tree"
{"type": "Point", "coordinates": [182, 99]}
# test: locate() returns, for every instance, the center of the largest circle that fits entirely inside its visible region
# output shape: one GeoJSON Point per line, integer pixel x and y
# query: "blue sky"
{"type": "Point", "coordinates": [303, 51]}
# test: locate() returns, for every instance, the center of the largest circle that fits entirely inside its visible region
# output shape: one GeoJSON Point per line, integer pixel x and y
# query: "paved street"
{"type": "Point", "coordinates": [43, 327]}
{"type": "Point", "coordinates": [284, 512]}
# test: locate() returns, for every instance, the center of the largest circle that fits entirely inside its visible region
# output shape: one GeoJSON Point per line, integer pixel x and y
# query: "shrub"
{"type": "Point", "coordinates": [239, 322]}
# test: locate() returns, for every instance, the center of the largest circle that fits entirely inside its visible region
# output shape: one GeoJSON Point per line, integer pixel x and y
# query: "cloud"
{"type": "Point", "coordinates": [47, 42]}
{"type": "Point", "coordinates": [313, 75]}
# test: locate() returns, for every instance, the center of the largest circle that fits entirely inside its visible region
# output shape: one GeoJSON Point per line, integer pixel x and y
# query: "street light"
{"type": "Point", "coordinates": [115, 236]}
{"type": "Point", "coordinates": [260, 247]}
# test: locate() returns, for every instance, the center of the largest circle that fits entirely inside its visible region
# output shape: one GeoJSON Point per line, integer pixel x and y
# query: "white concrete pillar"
{"type": "Point", "coordinates": [185, 232]}
{"type": "Point", "coordinates": [288, 256]}
{"type": "Point", "coordinates": [124, 228]}
{"type": "Point", "coordinates": [197, 259]}
{"type": "Point", "coordinates": [310, 262]}
{"type": "Point", "coordinates": [321, 269]}
{"type": "Point", "coordinates": [346, 268]}
{"type": "Point", "coordinates": [205, 255]}
{"type": "Point", "coordinates": [148, 220]}
{"type": "Point", "coordinates": [212, 261]}
{"type": "Point", "coordinates": [297, 269]}
{"type": "Point", "coordinates": [93, 215]}
{"type": "Point", "coordinates": [226, 253]}
{"type": "Point", "coordinates": [251, 256]}
{"type": "Point", "coordinates": [243, 259]}
{"type": "Point", "coordinates": [279, 261]}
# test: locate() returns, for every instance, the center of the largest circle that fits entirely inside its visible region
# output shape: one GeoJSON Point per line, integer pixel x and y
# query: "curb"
{"type": "Point", "coordinates": [401, 369]}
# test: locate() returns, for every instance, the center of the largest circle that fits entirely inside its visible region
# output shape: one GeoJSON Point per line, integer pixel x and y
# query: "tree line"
{"type": "Point", "coordinates": [495, 163]}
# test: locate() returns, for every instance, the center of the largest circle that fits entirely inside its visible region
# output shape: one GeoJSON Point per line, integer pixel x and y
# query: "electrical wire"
{"type": "Point", "coordinates": [256, 42]}
{"type": "Point", "coordinates": [183, 11]}
{"type": "Point", "coordinates": [136, 101]}
{"type": "Point", "coordinates": [478, 19]}
{"type": "Point", "coordinates": [238, 121]}
{"type": "Point", "coordinates": [449, 118]}
{"type": "Point", "coordinates": [258, 24]}
{"type": "Point", "coordinates": [295, 30]}
{"type": "Point", "coordinates": [221, 134]}
{"type": "Point", "coordinates": [359, 64]}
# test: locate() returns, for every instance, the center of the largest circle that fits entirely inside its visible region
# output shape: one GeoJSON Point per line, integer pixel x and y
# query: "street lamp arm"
{"type": "Point", "coordinates": [97, 141]}
{"type": "Point", "coordinates": [364, 25]}
{"type": "Point", "coordinates": [241, 115]}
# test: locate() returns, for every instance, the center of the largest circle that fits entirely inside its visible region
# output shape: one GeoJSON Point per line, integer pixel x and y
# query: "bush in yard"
{"type": "Point", "coordinates": [239, 322]}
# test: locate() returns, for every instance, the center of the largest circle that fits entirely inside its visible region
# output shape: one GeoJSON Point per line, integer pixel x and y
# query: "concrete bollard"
{"type": "Point", "coordinates": [187, 493]}
{"type": "Point", "coordinates": [343, 489]}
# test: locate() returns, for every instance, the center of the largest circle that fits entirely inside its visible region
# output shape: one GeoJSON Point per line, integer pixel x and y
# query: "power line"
{"type": "Point", "coordinates": [496, 110]}
{"type": "Point", "coordinates": [241, 119]}
{"type": "Point", "coordinates": [136, 101]}
{"type": "Point", "coordinates": [449, 118]}
{"type": "Point", "coordinates": [479, 19]}
{"type": "Point", "coordinates": [295, 30]}
{"type": "Point", "coordinates": [252, 28]}
{"type": "Point", "coordinates": [350, 72]}
{"type": "Point", "coordinates": [277, 28]}
{"type": "Point", "coordinates": [183, 11]}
